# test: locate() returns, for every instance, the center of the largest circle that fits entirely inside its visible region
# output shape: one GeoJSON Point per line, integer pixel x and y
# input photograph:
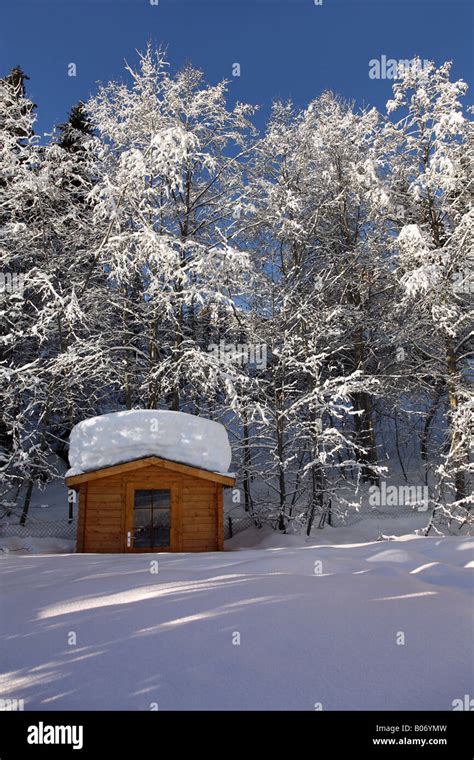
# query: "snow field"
{"type": "Point", "coordinates": [284, 627]}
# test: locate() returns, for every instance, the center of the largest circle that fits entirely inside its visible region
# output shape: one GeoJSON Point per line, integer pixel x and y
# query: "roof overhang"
{"type": "Point", "coordinates": [74, 481]}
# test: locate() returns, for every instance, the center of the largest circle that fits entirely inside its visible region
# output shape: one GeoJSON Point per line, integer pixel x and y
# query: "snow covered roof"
{"type": "Point", "coordinates": [120, 437]}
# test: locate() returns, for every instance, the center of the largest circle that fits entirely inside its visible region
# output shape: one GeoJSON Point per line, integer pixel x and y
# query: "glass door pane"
{"type": "Point", "coordinates": [161, 519]}
{"type": "Point", "coordinates": [142, 519]}
{"type": "Point", "coordinates": [152, 519]}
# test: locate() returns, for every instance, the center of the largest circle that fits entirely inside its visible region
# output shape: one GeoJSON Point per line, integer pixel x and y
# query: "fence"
{"type": "Point", "coordinates": [233, 525]}
{"type": "Point", "coordinates": [39, 529]}
{"type": "Point", "coordinates": [67, 530]}
{"type": "Point", "coordinates": [336, 518]}
{"type": "Point", "coordinates": [340, 518]}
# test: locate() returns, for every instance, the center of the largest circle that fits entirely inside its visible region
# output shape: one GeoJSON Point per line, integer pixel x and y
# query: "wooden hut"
{"type": "Point", "coordinates": [150, 505]}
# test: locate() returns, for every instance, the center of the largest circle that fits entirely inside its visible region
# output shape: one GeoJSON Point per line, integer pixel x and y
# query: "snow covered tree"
{"type": "Point", "coordinates": [45, 241]}
{"type": "Point", "coordinates": [431, 169]}
{"type": "Point", "coordinates": [75, 129]}
{"type": "Point", "coordinates": [172, 173]}
{"type": "Point", "coordinates": [314, 208]}
{"type": "Point", "coordinates": [311, 287]}
{"type": "Point", "coordinates": [17, 152]}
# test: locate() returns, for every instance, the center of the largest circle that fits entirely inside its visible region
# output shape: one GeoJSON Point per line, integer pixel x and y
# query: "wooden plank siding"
{"type": "Point", "coordinates": [106, 509]}
{"type": "Point", "coordinates": [175, 467]}
{"type": "Point", "coordinates": [198, 515]}
{"type": "Point", "coordinates": [104, 519]}
{"type": "Point", "coordinates": [82, 496]}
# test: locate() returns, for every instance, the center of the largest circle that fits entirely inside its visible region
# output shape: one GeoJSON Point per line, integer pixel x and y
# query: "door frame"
{"type": "Point", "coordinates": [160, 484]}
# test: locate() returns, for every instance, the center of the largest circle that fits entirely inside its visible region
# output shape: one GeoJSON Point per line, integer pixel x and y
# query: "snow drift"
{"type": "Point", "coordinates": [123, 436]}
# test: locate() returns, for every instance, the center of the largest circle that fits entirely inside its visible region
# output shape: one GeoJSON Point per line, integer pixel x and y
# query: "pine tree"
{"type": "Point", "coordinates": [76, 130]}
{"type": "Point", "coordinates": [18, 154]}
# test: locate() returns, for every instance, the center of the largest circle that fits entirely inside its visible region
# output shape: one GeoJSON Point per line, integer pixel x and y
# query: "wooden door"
{"type": "Point", "coordinates": [151, 523]}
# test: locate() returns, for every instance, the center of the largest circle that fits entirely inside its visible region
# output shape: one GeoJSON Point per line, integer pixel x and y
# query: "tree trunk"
{"type": "Point", "coordinates": [246, 465]}
{"type": "Point", "coordinates": [365, 437]}
{"type": "Point", "coordinates": [26, 503]}
{"type": "Point", "coordinates": [459, 456]}
{"type": "Point", "coordinates": [363, 421]}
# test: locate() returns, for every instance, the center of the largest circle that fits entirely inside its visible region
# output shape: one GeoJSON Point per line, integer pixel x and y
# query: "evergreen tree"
{"type": "Point", "coordinates": [76, 130]}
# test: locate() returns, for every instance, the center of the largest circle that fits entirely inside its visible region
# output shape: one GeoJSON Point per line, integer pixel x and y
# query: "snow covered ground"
{"type": "Point", "coordinates": [287, 625]}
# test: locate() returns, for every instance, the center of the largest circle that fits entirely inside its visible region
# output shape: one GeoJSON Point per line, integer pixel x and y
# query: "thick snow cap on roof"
{"type": "Point", "coordinates": [123, 436]}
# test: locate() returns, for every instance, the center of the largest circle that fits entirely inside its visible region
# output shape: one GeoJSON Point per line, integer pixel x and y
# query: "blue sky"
{"type": "Point", "coordinates": [287, 49]}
